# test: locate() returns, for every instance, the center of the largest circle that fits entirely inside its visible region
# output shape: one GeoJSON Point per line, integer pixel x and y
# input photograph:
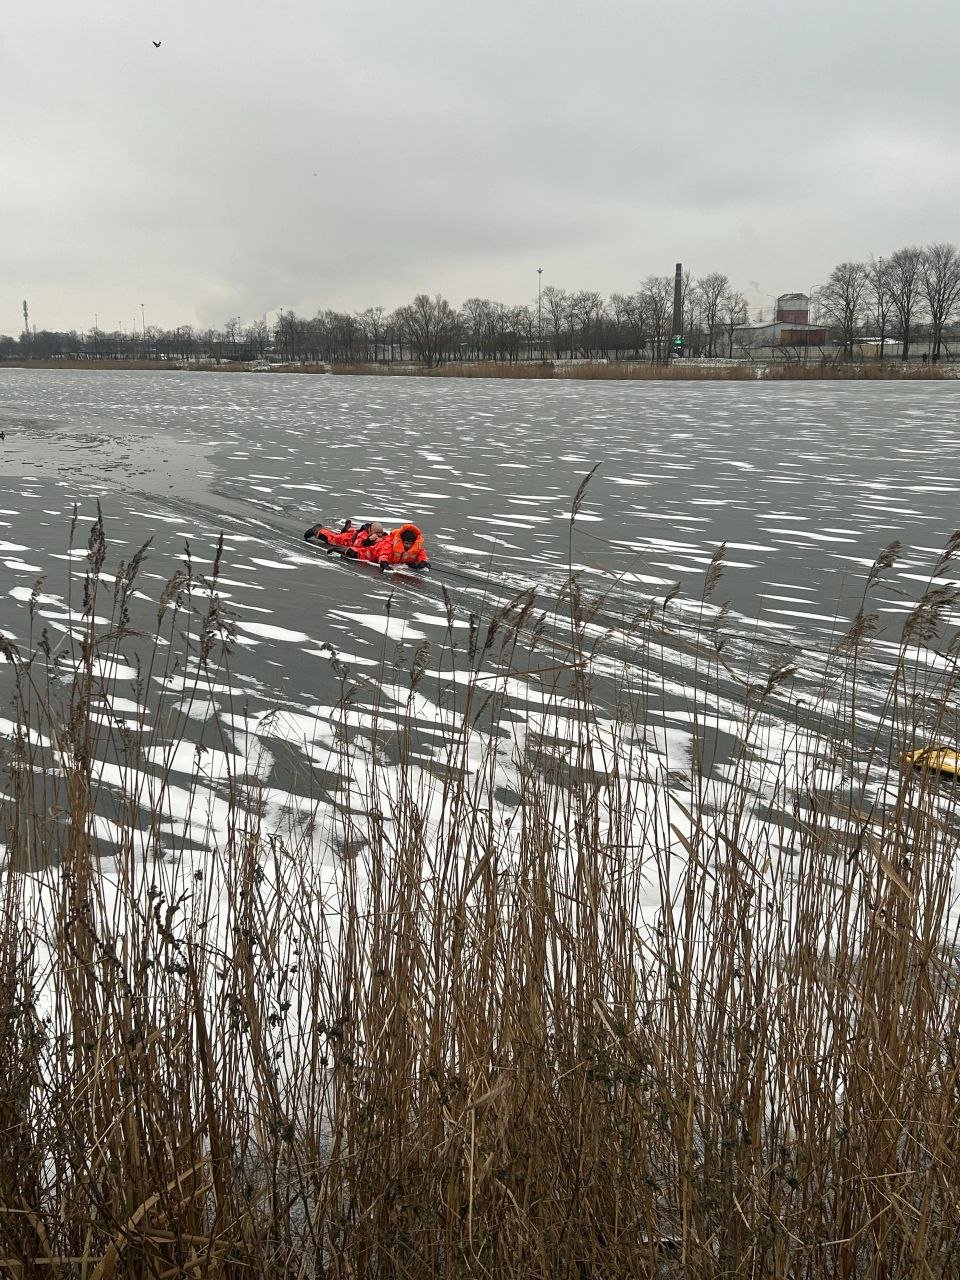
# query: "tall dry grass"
{"type": "Point", "coordinates": [544, 1008]}
{"type": "Point", "coordinates": [645, 371]}
{"type": "Point", "coordinates": [455, 369]}
{"type": "Point", "coordinates": [578, 370]}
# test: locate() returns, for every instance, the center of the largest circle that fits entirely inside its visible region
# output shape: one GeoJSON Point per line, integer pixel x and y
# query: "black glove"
{"type": "Point", "coordinates": [350, 553]}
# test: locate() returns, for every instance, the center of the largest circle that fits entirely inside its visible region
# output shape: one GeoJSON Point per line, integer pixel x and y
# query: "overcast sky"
{"type": "Point", "coordinates": [347, 153]}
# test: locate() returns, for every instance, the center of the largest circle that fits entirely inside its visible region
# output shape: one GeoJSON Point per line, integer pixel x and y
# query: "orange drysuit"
{"type": "Point", "coordinates": [399, 546]}
{"type": "Point", "coordinates": [346, 537]}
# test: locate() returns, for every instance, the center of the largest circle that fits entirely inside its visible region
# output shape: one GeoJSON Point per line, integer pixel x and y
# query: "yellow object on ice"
{"type": "Point", "coordinates": [936, 759]}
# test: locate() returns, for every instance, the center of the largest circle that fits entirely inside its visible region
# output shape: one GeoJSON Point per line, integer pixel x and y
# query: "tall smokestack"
{"type": "Point", "coordinates": [26, 318]}
{"type": "Point", "coordinates": [677, 329]}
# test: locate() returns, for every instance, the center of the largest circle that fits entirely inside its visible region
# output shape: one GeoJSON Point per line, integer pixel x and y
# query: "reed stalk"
{"type": "Point", "coordinates": [549, 1003]}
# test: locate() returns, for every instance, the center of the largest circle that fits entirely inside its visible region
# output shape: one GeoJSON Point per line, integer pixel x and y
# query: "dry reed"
{"type": "Point", "coordinates": [577, 370]}
{"type": "Point", "coordinates": [606, 1029]}
{"type": "Point", "coordinates": [646, 371]}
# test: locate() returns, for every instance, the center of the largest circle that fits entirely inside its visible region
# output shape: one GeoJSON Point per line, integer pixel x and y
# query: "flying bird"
{"type": "Point", "coordinates": [156, 44]}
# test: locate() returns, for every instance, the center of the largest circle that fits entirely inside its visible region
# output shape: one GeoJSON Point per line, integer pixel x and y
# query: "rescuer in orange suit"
{"type": "Point", "coordinates": [404, 545]}
{"type": "Point", "coordinates": [349, 536]}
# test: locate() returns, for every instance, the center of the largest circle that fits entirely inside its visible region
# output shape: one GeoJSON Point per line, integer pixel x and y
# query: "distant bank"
{"type": "Point", "coordinates": [692, 370]}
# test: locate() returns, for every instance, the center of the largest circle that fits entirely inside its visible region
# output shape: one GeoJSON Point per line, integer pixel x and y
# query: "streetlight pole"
{"type": "Point", "coordinates": [540, 310]}
{"type": "Point", "coordinates": [143, 318]}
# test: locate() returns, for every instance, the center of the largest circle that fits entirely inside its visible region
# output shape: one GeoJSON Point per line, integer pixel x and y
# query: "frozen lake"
{"type": "Point", "coordinates": [805, 483]}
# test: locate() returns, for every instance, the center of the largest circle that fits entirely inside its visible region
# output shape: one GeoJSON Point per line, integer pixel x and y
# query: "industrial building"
{"type": "Point", "coordinates": [790, 328]}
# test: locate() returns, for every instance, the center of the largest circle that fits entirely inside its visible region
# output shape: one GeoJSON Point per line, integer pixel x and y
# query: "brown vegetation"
{"type": "Point", "coordinates": [576, 370]}
{"type": "Point", "coordinates": [619, 1034]}
{"type": "Point", "coordinates": [689, 371]}
{"type": "Point", "coordinates": [164, 366]}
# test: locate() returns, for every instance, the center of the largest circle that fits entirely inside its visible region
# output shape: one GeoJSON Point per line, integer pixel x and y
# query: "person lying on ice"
{"type": "Point", "coordinates": [400, 546]}
{"type": "Point", "coordinates": [351, 535]}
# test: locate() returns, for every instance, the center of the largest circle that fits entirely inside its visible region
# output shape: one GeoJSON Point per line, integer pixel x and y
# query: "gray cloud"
{"type": "Point", "coordinates": [326, 155]}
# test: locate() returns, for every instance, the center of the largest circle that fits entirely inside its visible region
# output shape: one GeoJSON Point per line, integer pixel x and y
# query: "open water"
{"type": "Point", "coordinates": [805, 484]}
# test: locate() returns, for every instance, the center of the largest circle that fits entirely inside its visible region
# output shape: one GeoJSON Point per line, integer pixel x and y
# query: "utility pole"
{"type": "Point", "coordinates": [676, 343]}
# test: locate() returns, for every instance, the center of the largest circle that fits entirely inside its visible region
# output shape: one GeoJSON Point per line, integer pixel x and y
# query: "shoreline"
{"type": "Point", "coordinates": [583, 371]}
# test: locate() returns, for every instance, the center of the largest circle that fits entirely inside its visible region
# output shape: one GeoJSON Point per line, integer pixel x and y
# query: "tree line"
{"type": "Point", "coordinates": [914, 292]}
{"type": "Point", "coordinates": [896, 297]}
{"type": "Point", "coordinates": [560, 324]}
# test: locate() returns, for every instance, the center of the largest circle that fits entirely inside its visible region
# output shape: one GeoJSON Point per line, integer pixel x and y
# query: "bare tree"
{"type": "Point", "coordinates": [525, 325]}
{"type": "Point", "coordinates": [287, 336]}
{"type": "Point", "coordinates": [429, 323]}
{"type": "Point", "coordinates": [711, 290]}
{"type": "Point", "coordinates": [841, 301]}
{"type": "Point", "coordinates": [232, 334]}
{"type": "Point", "coordinates": [572, 318]}
{"type": "Point", "coordinates": [394, 334]}
{"type": "Point", "coordinates": [500, 331]}
{"type": "Point", "coordinates": [940, 273]}
{"type": "Point", "coordinates": [879, 299]}
{"type": "Point", "coordinates": [256, 337]}
{"type": "Point", "coordinates": [478, 322]}
{"type": "Point", "coordinates": [637, 321]}
{"type": "Point", "coordinates": [690, 310]}
{"type": "Point", "coordinates": [658, 304]}
{"type": "Point", "coordinates": [558, 305]}
{"type": "Point", "coordinates": [372, 324]}
{"type": "Point", "coordinates": [732, 313]}
{"type": "Point", "coordinates": [586, 307]}
{"type": "Point", "coordinates": [619, 309]}
{"type": "Point", "coordinates": [906, 284]}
